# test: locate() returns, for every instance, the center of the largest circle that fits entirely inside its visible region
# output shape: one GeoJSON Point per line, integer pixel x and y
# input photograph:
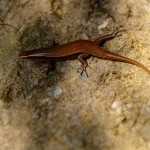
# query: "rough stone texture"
{"type": "Point", "coordinates": [110, 110]}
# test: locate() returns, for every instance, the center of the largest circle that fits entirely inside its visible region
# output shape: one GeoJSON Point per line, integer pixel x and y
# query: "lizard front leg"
{"type": "Point", "coordinates": [51, 66]}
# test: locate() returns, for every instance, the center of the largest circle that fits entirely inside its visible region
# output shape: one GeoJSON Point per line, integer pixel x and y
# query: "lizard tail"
{"type": "Point", "coordinates": [120, 58]}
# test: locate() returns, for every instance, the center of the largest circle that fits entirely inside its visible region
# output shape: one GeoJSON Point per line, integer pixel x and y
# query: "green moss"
{"type": "Point", "coordinates": [7, 95]}
{"type": "Point", "coordinates": [8, 52]}
{"type": "Point", "coordinates": [37, 35]}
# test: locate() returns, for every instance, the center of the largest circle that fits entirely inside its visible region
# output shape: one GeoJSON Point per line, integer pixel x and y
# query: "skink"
{"type": "Point", "coordinates": [81, 50]}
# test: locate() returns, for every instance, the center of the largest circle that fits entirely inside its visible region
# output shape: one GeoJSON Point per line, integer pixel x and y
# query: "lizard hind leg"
{"type": "Point", "coordinates": [84, 63]}
{"type": "Point", "coordinates": [101, 40]}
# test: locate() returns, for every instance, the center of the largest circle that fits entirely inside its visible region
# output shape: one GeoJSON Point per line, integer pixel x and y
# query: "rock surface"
{"type": "Point", "coordinates": [63, 110]}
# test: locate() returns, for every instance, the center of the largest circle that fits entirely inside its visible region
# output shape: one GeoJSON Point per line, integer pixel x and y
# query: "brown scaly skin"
{"type": "Point", "coordinates": [81, 50]}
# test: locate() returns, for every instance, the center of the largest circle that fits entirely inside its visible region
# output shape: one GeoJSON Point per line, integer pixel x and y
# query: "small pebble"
{"type": "Point", "coordinates": [115, 105]}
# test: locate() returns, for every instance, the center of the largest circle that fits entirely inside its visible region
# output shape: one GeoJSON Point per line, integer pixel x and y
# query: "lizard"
{"type": "Point", "coordinates": [81, 50]}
